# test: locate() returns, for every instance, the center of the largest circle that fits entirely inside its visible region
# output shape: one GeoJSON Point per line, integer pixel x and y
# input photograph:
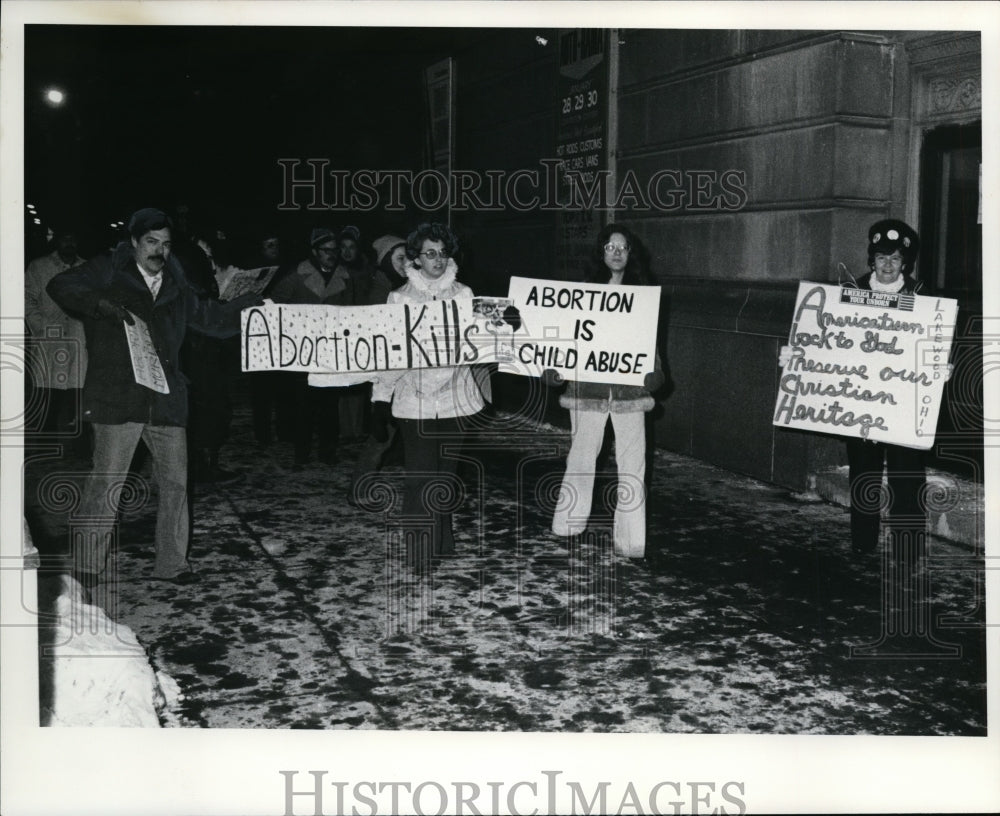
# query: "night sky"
{"type": "Point", "coordinates": [158, 116]}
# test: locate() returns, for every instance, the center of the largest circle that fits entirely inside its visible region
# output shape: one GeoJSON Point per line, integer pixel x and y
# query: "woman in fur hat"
{"type": "Point", "coordinates": [892, 250]}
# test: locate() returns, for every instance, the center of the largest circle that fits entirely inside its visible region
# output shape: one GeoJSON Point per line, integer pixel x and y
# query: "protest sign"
{"type": "Point", "coordinates": [866, 364]}
{"type": "Point", "coordinates": [146, 366]}
{"type": "Point", "coordinates": [234, 281]}
{"type": "Point", "coordinates": [357, 342]}
{"type": "Point", "coordinates": [587, 332]}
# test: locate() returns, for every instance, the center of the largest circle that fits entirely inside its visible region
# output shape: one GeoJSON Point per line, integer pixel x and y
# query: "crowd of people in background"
{"type": "Point", "coordinates": [170, 273]}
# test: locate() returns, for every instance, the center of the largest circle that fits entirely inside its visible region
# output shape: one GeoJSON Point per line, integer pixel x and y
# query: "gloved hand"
{"type": "Point", "coordinates": [106, 310]}
{"type": "Point", "coordinates": [552, 378]}
{"type": "Point", "coordinates": [246, 301]}
{"type": "Point", "coordinates": [784, 356]}
{"type": "Point", "coordinates": [512, 317]}
{"type": "Point", "coordinates": [652, 381]}
{"type": "Point", "coordinates": [380, 421]}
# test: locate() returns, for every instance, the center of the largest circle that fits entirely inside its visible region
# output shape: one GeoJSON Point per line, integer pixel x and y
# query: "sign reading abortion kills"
{"type": "Point", "coordinates": [866, 364]}
{"type": "Point", "coordinates": [589, 332]}
{"type": "Point", "coordinates": [363, 340]}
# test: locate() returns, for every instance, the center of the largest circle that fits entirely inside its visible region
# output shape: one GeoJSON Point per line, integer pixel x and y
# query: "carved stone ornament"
{"type": "Point", "coordinates": [946, 95]}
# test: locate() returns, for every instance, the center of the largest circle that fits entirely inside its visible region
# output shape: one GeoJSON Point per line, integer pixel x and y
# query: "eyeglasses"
{"type": "Point", "coordinates": [616, 248]}
{"type": "Point", "coordinates": [434, 254]}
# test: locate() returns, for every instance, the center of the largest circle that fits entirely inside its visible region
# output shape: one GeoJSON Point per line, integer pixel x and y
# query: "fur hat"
{"type": "Point", "coordinates": [890, 234]}
{"type": "Point", "coordinates": [386, 244]}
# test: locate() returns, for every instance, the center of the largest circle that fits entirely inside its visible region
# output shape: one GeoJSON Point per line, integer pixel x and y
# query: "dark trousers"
{"type": "Point", "coordinates": [317, 411]}
{"type": "Point", "coordinates": [363, 489]}
{"type": "Point", "coordinates": [432, 490]}
{"type": "Point", "coordinates": [906, 483]}
{"type": "Point", "coordinates": [271, 399]}
{"type": "Point", "coordinates": [208, 365]}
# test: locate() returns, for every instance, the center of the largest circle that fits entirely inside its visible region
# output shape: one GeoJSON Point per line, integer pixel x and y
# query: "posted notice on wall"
{"type": "Point", "coordinates": [146, 366]}
{"type": "Point", "coordinates": [357, 342]}
{"type": "Point", "coordinates": [866, 364]}
{"type": "Point", "coordinates": [586, 332]}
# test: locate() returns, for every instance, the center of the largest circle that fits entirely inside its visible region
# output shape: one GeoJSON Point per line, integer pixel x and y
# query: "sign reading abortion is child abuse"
{"type": "Point", "coordinates": [585, 331]}
{"type": "Point", "coordinates": [866, 364]}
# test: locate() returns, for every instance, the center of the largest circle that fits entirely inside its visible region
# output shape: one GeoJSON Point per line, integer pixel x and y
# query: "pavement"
{"type": "Point", "coordinates": [748, 614]}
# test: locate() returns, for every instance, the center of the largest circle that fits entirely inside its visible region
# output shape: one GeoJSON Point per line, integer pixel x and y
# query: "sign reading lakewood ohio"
{"type": "Point", "coordinates": [589, 332]}
{"type": "Point", "coordinates": [866, 364]}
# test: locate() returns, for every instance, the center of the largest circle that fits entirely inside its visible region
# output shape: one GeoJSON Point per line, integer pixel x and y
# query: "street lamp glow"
{"type": "Point", "coordinates": [54, 96]}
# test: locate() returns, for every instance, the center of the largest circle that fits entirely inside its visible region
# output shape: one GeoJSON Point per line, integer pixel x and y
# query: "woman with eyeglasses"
{"type": "Point", "coordinates": [429, 403]}
{"type": "Point", "coordinates": [617, 258]}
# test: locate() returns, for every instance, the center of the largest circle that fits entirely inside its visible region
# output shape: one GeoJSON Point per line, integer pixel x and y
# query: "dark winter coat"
{"type": "Point", "coordinates": [110, 393]}
{"type": "Point", "coordinates": [306, 285]}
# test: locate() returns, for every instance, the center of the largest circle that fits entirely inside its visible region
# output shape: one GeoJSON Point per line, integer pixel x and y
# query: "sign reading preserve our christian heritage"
{"type": "Point", "coordinates": [590, 332]}
{"type": "Point", "coordinates": [866, 364]}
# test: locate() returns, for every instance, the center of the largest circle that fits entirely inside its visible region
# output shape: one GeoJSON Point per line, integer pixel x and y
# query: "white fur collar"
{"type": "Point", "coordinates": [897, 286]}
{"type": "Point", "coordinates": [425, 284]}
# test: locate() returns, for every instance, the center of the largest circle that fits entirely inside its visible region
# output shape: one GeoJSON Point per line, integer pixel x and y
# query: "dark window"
{"type": "Point", "coordinates": [951, 232]}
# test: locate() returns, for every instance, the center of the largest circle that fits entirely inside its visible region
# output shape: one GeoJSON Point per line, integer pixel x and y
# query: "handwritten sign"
{"type": "Point", "coordinates": [234, 281]}
{"type": "Point", "coordinates": [360, 341]}
{"type": "Point", "coordinates": [866, 364]}
{"type": "Point", "coordinates": [587, 332]}
{"type": "Point", "coordinates": [146, 366]}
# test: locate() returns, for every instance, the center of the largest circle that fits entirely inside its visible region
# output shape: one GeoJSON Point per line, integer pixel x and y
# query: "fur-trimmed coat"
{"type": "Point", "coordinates": [618, 399]}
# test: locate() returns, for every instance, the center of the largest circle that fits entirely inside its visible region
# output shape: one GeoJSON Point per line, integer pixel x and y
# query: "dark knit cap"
{"type": "Point", "coordinates": [320, 235]}
{"type": "Point", "coordinates": [146, 219]}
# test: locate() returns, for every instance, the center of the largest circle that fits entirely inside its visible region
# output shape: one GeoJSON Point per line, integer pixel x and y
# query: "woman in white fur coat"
{"type": "Point", "coordinates": [429, 404]}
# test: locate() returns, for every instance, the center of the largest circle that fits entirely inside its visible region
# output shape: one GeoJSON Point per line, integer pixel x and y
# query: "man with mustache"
{"type": "Point", "coordinates": [138, 279]}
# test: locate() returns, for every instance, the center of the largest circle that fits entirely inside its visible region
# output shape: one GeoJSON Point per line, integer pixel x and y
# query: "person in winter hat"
{"type": "Point", "coordinates": [892, 252]}
{"type": "Point", "coordinates": [140, 279]}
{"type": "Point", "coordinates": [318, 279]}
{"type": "Point", "coordinates": [390, 259]}
{"type": "Point", "coordinates": [892, 249]}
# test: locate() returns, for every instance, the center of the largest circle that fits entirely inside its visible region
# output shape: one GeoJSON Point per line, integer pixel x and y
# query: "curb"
{"type": "Point", "coordinates": [955, 505]}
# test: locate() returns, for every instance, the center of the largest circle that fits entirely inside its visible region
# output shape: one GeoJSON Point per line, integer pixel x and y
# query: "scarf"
{"type": "Point", "coordinates": [886, 287]}
{"type": "Point", "coordinates": [433, 287]}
